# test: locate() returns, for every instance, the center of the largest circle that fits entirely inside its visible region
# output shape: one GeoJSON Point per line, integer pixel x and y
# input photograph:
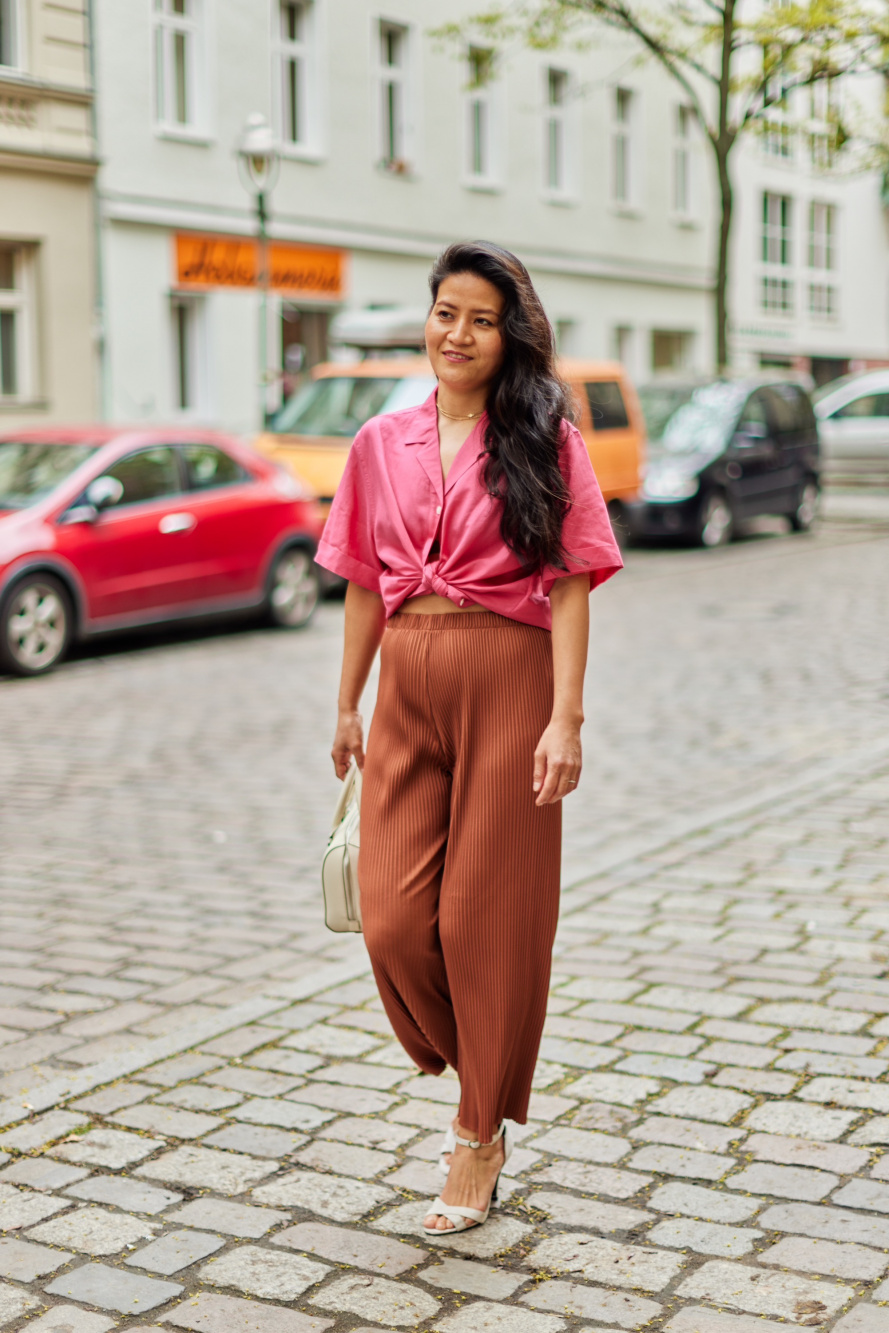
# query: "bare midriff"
{"type": "Point", "coordinates": [430, 604]}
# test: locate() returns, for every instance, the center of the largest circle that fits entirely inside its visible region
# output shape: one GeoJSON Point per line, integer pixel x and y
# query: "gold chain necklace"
{"type": "Point", "coordinates": [470, 416]}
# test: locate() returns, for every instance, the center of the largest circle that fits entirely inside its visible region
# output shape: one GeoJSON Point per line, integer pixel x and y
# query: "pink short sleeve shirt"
{"type": "Point", "coordinates": [393, 505]}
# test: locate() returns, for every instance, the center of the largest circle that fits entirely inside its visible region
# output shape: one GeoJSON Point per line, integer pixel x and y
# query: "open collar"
{"type": "Point", "coordinates": [424, 431]}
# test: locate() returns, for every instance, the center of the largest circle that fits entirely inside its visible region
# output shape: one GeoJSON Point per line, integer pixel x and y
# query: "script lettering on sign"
{"type": "Point", "coordinates": [311, 272]}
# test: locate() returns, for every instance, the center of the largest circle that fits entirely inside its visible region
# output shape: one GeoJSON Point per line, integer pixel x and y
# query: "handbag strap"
{"type": "Point", "coordinates": [351, 790]}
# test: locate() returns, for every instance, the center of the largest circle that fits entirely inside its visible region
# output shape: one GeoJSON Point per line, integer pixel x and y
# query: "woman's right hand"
{"type": "Point", "coordinates": [348, 741]}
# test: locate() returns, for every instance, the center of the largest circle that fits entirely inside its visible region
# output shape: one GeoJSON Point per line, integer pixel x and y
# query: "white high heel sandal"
{"type": "Point", "coordinates": [448, 1146]}
{"type": "Point", "coordinates": [462, 1216]}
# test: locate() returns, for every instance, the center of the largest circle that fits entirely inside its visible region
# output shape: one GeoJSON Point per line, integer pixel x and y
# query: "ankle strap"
{"type": "Point", "coordinates": [476, 1143]}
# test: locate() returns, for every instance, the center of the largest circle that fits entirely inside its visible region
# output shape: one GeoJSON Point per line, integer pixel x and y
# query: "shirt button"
{"type": "Point", "coordinates": [438, 510]}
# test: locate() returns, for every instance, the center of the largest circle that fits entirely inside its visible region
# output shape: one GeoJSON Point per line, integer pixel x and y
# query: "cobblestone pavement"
{"type": "Point", "coordinates": [204, 1120]}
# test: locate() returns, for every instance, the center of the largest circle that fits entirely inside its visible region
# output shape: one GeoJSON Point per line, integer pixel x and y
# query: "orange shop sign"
{"type": "Point", "coordinates": [312, 272]}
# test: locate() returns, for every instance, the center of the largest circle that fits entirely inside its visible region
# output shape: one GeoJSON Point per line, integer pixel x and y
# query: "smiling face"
{"type": "Point", "coordinates": [463, 333]}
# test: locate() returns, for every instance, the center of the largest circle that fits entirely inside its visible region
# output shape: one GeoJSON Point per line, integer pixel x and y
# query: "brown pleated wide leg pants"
{"type": "Point", "coordinates": [459, 870]}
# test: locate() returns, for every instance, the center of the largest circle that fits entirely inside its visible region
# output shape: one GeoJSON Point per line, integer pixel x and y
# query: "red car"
{"type": "Point", "coordinates": [104, 529]}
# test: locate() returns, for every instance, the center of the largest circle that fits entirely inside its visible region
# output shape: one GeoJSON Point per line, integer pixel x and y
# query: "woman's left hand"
{"type": "Point", "coordinates": [557, 762]}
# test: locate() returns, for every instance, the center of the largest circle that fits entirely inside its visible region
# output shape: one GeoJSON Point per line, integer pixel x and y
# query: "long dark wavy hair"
{"type": "Point", "coordinates": [526, 404]}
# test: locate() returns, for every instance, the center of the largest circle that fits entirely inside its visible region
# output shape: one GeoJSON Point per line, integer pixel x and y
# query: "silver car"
{"type": "Point", "coordinates": [853, 419]}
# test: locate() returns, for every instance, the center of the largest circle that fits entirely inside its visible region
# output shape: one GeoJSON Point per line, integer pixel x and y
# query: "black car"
{"type": "Point", "coordinates": [722, 452]}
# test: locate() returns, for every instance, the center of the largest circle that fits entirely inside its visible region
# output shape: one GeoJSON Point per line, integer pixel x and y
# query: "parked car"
{"type": "Point", "coordinates": [725, 451]}
{"type": "Point", "coordinates": [314, 430]}
{"type": "Point", "coordinates": [853, 418]}
{"type": "Point", "coordinates": [105, 529]}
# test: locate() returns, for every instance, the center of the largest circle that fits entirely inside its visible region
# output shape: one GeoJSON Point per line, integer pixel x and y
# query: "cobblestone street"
{"type": "Point", "coordinates": [205, 1122]}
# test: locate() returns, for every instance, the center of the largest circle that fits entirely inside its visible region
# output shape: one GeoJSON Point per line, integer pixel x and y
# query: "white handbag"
{"type": "Point", "coordinates": [339, 869]}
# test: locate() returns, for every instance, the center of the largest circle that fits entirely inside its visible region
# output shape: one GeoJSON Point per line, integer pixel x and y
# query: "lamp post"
{"type": "Point", "coordinates": [258, 163]}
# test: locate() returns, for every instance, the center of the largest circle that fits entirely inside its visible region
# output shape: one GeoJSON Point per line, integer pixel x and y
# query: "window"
{"type": "Point", "coordinates": [607, 407]}
{"type": "Point", "coordinates": [565, 331]}
{"type": "Point", "coordinates": [823, 122]}
{"type": "Point", "coordinates": [188, 358]}
{"type": "Point", "coordinates": [480, 128]}
{"type": "Point", "coordinates": [754, 419]}
{"type": "Point", "coordinates": [177, 63]}
{"type": "Point", "coordinates": [339, 405]}
{"type": "Point", "coordinates": [622, 342]}
{"type": "Point", "coordinates": [555, 131]}
{"type": "Point", "coordinates": [777, 132]}
{"type": "Point", "coordinates": [822, 234]}
{"type": "Point", "coordinates": [31, 469]}
{"type": "Point", "coordinates": [776, 237]}
{"type": "Point", "coordinates": [393, 96]}
{"type": "Point", "coordinates": [789, 410]}
{"type": "Point", "coordinates": [621, 146]}
{"type": "Point", "coordinates": [670, 349]}
{"type": "Point", "coordinates": [9, 379]}
{"type": "Point", "coordinates": [872, 405]}
{"type": "Point", "coordinates": [297, 71]}
{"type": "Point", "coordinates": [777, 295]}
{"type": "Point", "coordinates": [823, 295]}
{"type": "Point", "coordinates": [206, 466]}
{"type": "Point", "coordinates": [777, 289]}
{"type": "Point", "coordinates": [147, 475]}
{"type": "Point", "coordinates": [8, 32]}
{"type": "Point", "coordinates": [682, 159]}
{"type": "Point", "coordinates": [823, 301]}
{"type": "Point", "coordinates": [15, 339]}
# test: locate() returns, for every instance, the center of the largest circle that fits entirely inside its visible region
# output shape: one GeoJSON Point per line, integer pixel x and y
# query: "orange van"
{"type": "Point", "coordinates": [313, 431]}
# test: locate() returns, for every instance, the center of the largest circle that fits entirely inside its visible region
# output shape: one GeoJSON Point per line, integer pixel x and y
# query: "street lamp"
{"type": "Point", "coordinates": [259, 162]}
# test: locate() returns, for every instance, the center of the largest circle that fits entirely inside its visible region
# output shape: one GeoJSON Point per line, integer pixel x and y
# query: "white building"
{"type": "Point", "coordinates": [810, 259]}
{"type": "Point", "coordinates": [584, 163]}
{"type": "Point", "coordinates": [47, 225]}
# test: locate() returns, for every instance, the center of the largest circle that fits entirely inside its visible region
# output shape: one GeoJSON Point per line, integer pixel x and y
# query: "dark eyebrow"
{"type": "Point", "coordinates": [477, 310]}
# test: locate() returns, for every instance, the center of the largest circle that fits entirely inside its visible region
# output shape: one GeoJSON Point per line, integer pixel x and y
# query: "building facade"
{"type": "Point", "coordinates": [810, 287]}
{"type": "Point", "coordinates": [584, 163]}
{"type": "Point", "coordinates": [48, 365]}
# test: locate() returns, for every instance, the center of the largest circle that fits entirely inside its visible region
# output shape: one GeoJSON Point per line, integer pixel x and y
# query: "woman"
{"type": "Point", "coordinates": [471, 531]}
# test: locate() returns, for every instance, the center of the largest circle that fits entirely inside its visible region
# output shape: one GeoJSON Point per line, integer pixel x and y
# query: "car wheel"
{"type": "Point", "coordinates": [35, 625]}
{"type": "Point", "coordinates": [294, 589]}
{"type": "Point", "coordinates": [803, 516]}
{"type": "Point", "coordinates": [715, 520]}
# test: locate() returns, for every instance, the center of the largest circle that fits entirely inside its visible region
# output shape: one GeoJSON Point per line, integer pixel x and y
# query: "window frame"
{"type": "Point", "coordinates": [824, 236]}
{"type": "Point", "coordinates": [682, 339]}
{"type": "Point", "coordinates": [19, 301]}
{"type": "Point", "coordinates": [129, 505]}
{"type": "Point", "coordinates": [624, 148]}
{"type": "Point", "coordinates": [12, 21]}
{"type": "Point", "coordinates": [394, 76]}
{"type": "Point", "coordinates": [682, 149]}
{"type": "Point", "coordinates": [188, 316]}
{"type": "Point", "coordinates": [589, 388]}
{"type": "Point", "coordinates": [777, 252]}
{"type": "Point", "coordinates": [310, 147]}
{"type": "Point", "coordinates": [483, 96]}
{"type": "Point", "coordinates": [165, 27]}
{"type": "Point", "coordinates": [243, 477]}
{"type": "Point", "coordinates": [559, 122]}
{"type": "Point", "coordinates": [778, 126]}
{"type": "Point", "coordinates": [822, 294]}
{"type": "Point", "coordinates": [821, 126]}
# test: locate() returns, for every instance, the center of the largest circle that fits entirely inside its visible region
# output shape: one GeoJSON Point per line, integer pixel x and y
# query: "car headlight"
{"type": "Point", "coordinates": [670, 483]}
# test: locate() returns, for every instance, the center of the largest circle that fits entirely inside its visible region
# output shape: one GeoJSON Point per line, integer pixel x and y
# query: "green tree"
{"type": "Point", "coordinates": [733, 59]}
